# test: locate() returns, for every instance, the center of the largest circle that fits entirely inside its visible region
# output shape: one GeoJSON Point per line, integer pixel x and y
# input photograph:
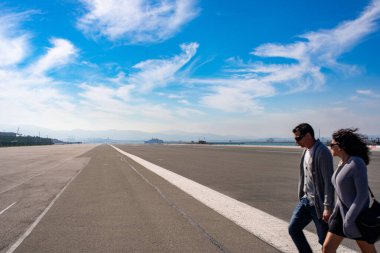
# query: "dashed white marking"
{"type": "Point", "coordinates": [270, 229]}
{"type": "Point", "coordinates": [196, 225]}
{"type": "Point", "coordinates": [7, 208]}
{"type": "Point", "coordinates": [35, 223]}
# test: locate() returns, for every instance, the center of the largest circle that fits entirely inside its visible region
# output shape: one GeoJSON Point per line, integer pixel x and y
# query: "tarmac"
{"type": "Point", "coordinates": [97, 199]}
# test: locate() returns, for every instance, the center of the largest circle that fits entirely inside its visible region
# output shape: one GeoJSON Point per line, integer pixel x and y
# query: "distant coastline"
{"type": "Point", "coordinates": [254, 143]}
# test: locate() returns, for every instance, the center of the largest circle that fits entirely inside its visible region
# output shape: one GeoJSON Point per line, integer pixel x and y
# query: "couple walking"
{"type": "Point", "coordinates": [316, 187]}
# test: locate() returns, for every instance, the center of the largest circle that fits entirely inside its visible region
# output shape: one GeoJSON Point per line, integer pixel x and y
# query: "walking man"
{"type": "Point", "coordinates": [315, 190]}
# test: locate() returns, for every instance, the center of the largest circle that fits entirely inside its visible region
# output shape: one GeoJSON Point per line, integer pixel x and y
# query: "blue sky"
{"type": "Point", "coordinates": [248, 68]}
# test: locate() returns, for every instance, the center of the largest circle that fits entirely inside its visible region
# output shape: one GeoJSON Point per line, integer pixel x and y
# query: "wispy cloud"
{"type": "Point", "coordinates": [149, 75]}
{"type": "Point", "coordinates": [136, 21]}
{"type": "Point", "coordinates": [368, 93]}
{"type": "Point", "coordinates": [234, 95]}
{"type": "Point", "coordinates": [61, 53]}
{"type": "Point", "coordinates": [127, 99]}
{"type": "Point", "coordinates": [142, 97]}
{"type": "Point", "coordinates": [160, 72]}
{"type": "Point", "coordinates": [320, 49]}
{"type": "Point", "coordinates": [231, 100]}
{"type": "Point", "coordinates": [366, 99]}
{"type": "Point", "coordinates": [14, 45]}
{"type": "Point", "coordinates": [27, 93]}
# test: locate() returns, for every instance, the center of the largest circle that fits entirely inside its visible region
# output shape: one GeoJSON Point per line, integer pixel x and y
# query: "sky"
{"type": "Point", "coordinates": [245, 68]}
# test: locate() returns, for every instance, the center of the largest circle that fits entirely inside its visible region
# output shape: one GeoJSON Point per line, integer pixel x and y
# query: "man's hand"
{"type": "Point", "coordinates": [326, 215]}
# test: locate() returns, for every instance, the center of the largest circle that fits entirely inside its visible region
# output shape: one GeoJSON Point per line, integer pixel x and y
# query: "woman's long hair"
{"type": "Point", "coordinates": [352, 142]}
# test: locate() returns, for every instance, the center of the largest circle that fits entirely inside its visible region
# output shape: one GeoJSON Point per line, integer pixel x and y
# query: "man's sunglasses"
{"type": "Point", "coordinates": [333, 144]}
{"type": "Point", "coordinates": [298, 138]}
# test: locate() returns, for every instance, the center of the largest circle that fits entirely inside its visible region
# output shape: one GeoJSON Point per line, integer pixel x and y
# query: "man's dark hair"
{"type": "Point", "coordinates": [303, 129]}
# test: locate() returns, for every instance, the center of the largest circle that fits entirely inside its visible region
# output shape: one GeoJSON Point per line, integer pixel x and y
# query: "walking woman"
{"type": "Point", "coordinates": [351, 184]}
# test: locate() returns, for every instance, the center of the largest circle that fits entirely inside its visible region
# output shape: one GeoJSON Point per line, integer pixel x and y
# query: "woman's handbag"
{"type": "Point", "coordinates": [368, 221]}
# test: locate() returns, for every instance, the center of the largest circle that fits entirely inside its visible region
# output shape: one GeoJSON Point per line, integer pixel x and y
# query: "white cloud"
{"type": "Point", "coordinates": [364, 92]}
{"type": "Point", "coordinates": [111, 108]}
{"type": "Point", "coordinates": [25, 96]}
{"type": "Point", "coordinates": [172, 96]}
{"type": "Point", "coordinates": [327, 45]}
{"type": "Point", "coordinates": [368, 93]}
{"type": "Point", "coordinates": [159, 73]}
{"type": "Point", "coordinates": [184, 101]}
{"type": "Point", "coordinates": [62, 53]}
{"type": "Point", "coordinates": [31, 94]}
{"type": "Point", "coordinates": [106, 99]}
{"type": "Point", "coordinates": [321, 49]}
{"type": "Point", "coordinates": [14, 45]}
{"type": "Point", "coordinates": [234, 95]}
{"type": "Point", "coordinates": [367, 100]}
{"type": "Point", "coordinates": [118, 104]}
{"type": "Point", "coordinates": [325, 119]}
{"type": "Point", "coordinates": [231, 100]}
{"type": "Point", "coordinates": [125, 100]}
{"type": "Point", "coordinates": [137, 21]}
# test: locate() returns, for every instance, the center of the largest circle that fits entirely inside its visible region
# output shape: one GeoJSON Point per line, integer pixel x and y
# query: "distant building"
{"type": "Point", "coordinates": [154, 141]}
{"type": "Point", "coordinates": [8, 134]}
{"type": "Point", "coordinates": [8, 139]}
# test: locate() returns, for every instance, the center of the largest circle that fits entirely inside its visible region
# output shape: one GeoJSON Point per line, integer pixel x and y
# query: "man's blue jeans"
{"type": "Point", "coordinates": [303, 214]}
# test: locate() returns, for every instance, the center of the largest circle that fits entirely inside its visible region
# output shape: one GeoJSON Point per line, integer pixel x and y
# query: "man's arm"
{"type": "Point", "coordinates": [327, 170]}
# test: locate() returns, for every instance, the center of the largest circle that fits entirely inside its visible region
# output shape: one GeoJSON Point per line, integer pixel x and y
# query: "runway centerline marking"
{"type": "Point", "coordinates": [218, 244]}
{"type": "Point", "coordinates": [268, 228]}
{"type": "Point", "coordinates": [7, 208]}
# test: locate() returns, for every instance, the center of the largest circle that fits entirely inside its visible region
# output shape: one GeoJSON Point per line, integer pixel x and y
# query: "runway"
{"type": "Point", "coordinates": [115, 204]}
{"type": "Point", "coordinates": [30, 178]}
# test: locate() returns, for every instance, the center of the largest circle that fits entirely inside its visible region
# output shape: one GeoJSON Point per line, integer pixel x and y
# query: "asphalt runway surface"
{"type": "Point", "coordinates": [263, 177]}
{"type": "Point", "coordinates": [30, 178]}
{"type": "Point", "coordinates": [113, 204]}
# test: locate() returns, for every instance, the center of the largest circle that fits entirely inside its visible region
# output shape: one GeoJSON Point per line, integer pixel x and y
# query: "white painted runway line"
{"type": "Point", "coordinates": [39, 218]}
{"type": "Point", "coordinates": [268, 228]}
{"type": "Point", "coordinates": [7, 208]}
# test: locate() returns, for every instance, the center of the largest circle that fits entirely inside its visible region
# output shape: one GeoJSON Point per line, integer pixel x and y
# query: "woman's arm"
{"type": "Point", "coordinates": [360, 184]}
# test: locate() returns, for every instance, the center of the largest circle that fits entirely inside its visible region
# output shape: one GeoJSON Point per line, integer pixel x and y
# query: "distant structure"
{"type": "Point", "coordinates": [373, 141]}
{"type": "Point", "coordinates": [8, 134]}
{"type": "Point", "coordinates": [154, 141]}
{"type": "Point", "coordinates": [59, 142]}
{"type": "Point", "coordinates": [8, 139]}
{"type": "Point", "coordinates": [203, 142]}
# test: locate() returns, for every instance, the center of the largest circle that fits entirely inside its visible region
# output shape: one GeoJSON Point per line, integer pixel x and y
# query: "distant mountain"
{"type": "Point", "coordinates": [119, 136]}
{"type": "Point", "coordinates": [131, 136]}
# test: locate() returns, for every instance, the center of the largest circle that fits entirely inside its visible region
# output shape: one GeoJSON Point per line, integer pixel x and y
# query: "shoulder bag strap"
{"type": "Point", "coordinates": [373, 196]}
